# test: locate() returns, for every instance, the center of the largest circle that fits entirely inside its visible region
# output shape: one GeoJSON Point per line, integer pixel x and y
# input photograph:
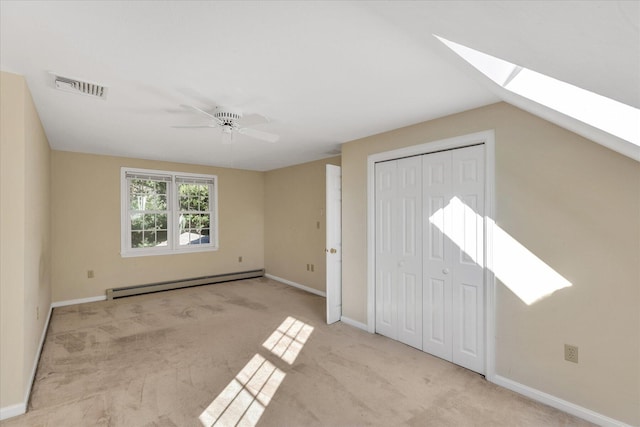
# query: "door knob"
{"type": "Point", "coordinates": [401, 264]}
{"type": "Point", "coordinates": [333, 251]}
{"type": "Point", "coordinates": [445, 271]}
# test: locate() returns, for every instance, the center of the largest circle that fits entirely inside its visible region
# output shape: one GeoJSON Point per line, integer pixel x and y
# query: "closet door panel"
{"type": "Point", "coordinates": [467, 262]}
{"type": "Point", "coordinates": [436, 339]}
{"type": "Point", "coordinates": [409, 205]}
{"type": "Point", "coordinates": [386, 262]}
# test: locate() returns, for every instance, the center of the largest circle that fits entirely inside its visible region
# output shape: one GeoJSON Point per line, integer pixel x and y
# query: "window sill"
{"type": "Point", "coordinates": [160, 252]}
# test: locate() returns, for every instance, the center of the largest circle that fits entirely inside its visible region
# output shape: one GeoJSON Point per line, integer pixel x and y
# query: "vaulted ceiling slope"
{"type": "Point", "coordinates": [324, 72]}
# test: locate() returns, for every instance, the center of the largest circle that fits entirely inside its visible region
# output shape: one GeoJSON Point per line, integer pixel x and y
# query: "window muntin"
{"type": "Point", "coordinates": [166, 212]}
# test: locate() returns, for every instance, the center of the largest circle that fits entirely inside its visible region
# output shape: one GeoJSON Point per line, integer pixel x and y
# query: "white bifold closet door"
{"type": "Point", "coordinates": [429, 253]}
{"type": "Point", "coordinates": [453, 294]}
{"type": "Point", "coordinates": [399, 250]}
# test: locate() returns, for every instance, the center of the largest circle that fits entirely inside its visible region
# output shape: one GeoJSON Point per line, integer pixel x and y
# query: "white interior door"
{"type": "Point", "coordinates": [399, 250]}
{"type": "Point", "coordinates": [453, 300]}
{"type": "Point", "coordinates": [385, 258]}
{"type": "Point", "coordinates": [408, 251]}
{"type": "Point", "coordinates": [334, 242]}
{"type": "Point", "coordinates": [437, 192]}
{"type": "Point", "coordinates": [467, 236]}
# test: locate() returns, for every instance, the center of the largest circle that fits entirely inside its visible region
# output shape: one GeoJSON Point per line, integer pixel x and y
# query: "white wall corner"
{"type": "Point", "coordinates": [296, 285]}
{"type": "Point", "coordinates": [556, 402]}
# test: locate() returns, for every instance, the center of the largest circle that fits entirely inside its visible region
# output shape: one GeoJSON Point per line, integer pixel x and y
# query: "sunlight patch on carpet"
{"type": "Point", "coordinates": [246, 397]}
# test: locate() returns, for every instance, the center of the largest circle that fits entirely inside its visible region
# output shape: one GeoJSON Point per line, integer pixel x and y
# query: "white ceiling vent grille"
{"type": "Point", "coordinates": [77, 86]}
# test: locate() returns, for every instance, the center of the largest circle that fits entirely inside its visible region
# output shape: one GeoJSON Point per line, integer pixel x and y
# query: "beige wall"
{"type": "Point", "coordinates": [25, 256]}
{"type": "Point", "coordinates": [294, 205]}
{"type": "Point", "coordinates": [575, 205]}
{"type": "Point", "coordinates": [86, 227]}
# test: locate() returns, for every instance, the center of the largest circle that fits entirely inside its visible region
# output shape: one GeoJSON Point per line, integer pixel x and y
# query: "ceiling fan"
{"type": "Point", "coordinates": [231, 121]}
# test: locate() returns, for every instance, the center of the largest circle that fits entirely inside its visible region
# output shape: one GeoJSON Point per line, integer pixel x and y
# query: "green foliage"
{"type": "Point", "coordinates": [193, 199]}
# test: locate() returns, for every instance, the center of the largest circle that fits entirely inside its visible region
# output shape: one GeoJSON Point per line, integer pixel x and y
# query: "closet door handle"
{"type": "Point", "coordinates": [445, 271]}
{"type": "Point", "coordinates": [401, 264]}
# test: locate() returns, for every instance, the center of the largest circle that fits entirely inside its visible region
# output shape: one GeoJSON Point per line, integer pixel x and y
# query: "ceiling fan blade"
{"type": "Point", "coordinates": [254, 119]}
{"type": "Point", "coordinates": [258, 134]}
{"type": "Point", "coordinates": [204, 113]}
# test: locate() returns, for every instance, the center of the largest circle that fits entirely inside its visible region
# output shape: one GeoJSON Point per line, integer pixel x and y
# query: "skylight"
{"type": "Point", "coordinates": [604, 113]}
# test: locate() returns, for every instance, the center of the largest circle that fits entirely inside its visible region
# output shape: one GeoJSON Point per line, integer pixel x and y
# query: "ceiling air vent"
{"type": "Point", "coordinates": [77, 86]}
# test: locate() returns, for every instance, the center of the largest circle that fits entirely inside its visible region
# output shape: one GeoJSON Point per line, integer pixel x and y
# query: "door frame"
{"type": "Point", "coordinates": [488, 139]}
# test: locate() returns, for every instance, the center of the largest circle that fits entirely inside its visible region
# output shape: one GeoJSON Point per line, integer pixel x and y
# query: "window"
{"type": "Point", "coordinates": [167, 212]}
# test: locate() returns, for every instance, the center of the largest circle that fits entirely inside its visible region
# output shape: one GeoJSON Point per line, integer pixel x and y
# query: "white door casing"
{"type": "Point", "coordinates": [333, 242]}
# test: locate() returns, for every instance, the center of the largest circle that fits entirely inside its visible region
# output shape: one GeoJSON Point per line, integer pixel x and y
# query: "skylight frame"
{"type": "Point", "coordinates": [603, 113]}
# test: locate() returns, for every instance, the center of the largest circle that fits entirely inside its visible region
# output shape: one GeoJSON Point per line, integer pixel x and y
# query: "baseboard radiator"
{"type": "Point", "coordinates": [128, 291]}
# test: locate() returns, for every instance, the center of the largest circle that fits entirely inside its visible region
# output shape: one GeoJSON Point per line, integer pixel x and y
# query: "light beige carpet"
{"type": "Point", "coordinates": [247, 352]}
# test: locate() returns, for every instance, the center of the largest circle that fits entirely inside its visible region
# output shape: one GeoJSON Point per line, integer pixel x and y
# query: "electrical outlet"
{"type": "Point", "coordinates": [239, 259]}
{"type": "Point", "coordinates": [307, 267]}
{"type": "Point", "coordinates": [571, 353]}
{"type": "Point", "coordinates": [311, 267]}
{"type": "Point", "coordinates": [90, 274]}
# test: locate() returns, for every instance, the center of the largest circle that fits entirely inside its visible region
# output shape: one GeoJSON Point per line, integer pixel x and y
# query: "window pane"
{"type": "Point", "coordinates": [156, 202]}
{"type": "Point", "coordinates": [162, 238]}
{"type": "Point", "coordinates": [149, 238]}
{"type": "Point", "coordinates": [136, 221]}
{"type": "Point", "coordinates": [134, 202]}
{"type": "Point", "coordinates": [184, 203]}
{"type": "Point", "coordinates": [205, 220]}
{"type": "Point", "coordinates": [194, 197]}
{"type": "Point", "coordinates": [136, 239]}
{"type": "Point", "coordinates": [161, 221]}
{"type": "Point", "coordinates": [147, 195]}
{"type": "Point", "coordinates": [187, 237]}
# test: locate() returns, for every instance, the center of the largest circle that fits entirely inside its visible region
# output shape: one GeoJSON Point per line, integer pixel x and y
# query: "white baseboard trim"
{"type": "Point", "coordinates": [556, 402]}
{"type": "Point", "coordinates": [21, 408]}
{"type": "Point", "coordinates": [34, 368]}
{"type": "Point", "coordinates": [296, 285]}
{"type": "Point", "coordinates": [12, 411]}
{"type": "Point", "coordinates": [78, 301]}
{"type": "Point", "coordinates": [354, 323]}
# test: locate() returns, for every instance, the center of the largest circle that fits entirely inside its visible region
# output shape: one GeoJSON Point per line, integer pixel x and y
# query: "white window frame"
{"type": "Point", "coordinates": [173, 212]}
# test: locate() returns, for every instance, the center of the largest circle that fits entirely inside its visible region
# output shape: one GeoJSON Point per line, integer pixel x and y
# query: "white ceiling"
{"type": "Point", "coordinates": [324, 72]}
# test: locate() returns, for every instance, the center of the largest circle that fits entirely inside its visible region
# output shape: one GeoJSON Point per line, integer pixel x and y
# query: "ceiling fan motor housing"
{"type": "Point", "coordinates": [228, 117]}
